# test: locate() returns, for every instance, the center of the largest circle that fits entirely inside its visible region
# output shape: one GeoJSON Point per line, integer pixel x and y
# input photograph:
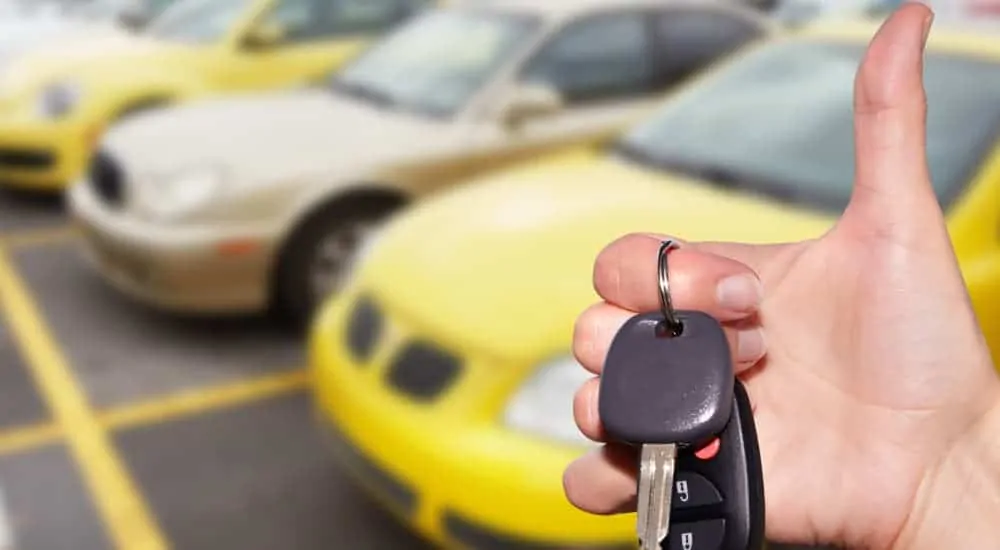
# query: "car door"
{"type": "Point", "coordinates": [314, 37]}
{"type": "Point", "coordinates": [612, 68]}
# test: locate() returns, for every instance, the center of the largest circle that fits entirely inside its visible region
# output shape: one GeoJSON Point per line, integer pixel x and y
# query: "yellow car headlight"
{"type": "Point", "coordinates": [167, 198]}
{"type": "Point", "coordinates": [544, 404]}
{"type": "Point", "coordinates": [59, 100]}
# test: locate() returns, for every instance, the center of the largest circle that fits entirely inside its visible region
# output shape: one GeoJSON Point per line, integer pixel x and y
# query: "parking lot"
{"type": "Point", "coordinates": [122, 428]}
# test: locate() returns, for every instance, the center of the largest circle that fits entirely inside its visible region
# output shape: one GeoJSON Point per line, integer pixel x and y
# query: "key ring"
{"type": "Point", "coordinates": [673, 324]}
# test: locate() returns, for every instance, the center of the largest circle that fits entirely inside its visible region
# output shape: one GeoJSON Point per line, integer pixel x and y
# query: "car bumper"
{"type": "Point", "coordinates": [176, 268]}
{"type": "Point", "coordinates": [42, 155]}
{"type": "Point", "coordinates": [464, 484]}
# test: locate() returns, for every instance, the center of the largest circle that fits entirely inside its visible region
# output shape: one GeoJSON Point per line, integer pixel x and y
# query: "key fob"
{"type": "Point", "coordinates": [718, 500]}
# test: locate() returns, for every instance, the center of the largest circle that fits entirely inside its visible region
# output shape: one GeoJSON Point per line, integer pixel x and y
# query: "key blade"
{"type": "Point", "coordinates": [656, 480]}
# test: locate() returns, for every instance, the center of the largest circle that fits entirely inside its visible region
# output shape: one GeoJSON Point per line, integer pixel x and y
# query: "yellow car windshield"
{"type": "Point", "coordinates": [437, 62]}
{"type": "Point", "coordinates": [779, 122]}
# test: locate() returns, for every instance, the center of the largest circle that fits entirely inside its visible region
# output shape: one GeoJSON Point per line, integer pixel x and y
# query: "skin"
{"type": "Point", "coordinates": [875, 397]}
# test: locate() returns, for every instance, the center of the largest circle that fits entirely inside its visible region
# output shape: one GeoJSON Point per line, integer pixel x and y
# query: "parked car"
{"type": "Point", "coordinates": [444, 369]}
{"type": "Point", "coordinates": [53, 27]}
{"type": "Point", "coordinates": [56, 105]}
{"type": "Point", "coordinates": [257, 203]}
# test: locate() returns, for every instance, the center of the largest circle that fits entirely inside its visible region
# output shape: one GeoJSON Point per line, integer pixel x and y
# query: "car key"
{"type": "Point", "coordinates": [668, 387]}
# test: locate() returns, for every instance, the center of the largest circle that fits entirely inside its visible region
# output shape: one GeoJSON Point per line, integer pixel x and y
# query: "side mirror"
{"type": "Point", "coordinates": [530, 102]}
{"type": "Point", "coordinates": [134, 18]}
{"type": "Point", "coordinates": [263, 36]}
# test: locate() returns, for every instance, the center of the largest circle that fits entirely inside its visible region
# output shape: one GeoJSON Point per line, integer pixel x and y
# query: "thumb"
{"type": "Point", "coordinates": [893, 195]}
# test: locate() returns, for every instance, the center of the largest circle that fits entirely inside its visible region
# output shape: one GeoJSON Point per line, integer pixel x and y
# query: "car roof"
{"type": "Point", "coordinates": [559, 9]}
{"type": "Point", "coordinates": [946, 37]}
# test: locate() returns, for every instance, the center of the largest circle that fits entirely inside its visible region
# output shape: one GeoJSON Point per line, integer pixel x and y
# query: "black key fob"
{"type": "Point", "coordinates": [718, 495]}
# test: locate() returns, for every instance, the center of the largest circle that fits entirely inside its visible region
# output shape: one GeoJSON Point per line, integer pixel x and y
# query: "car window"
{"type": "Point", "coordinates": [296, 18]}
{"type": "Point", "coordinates": [779, 122]}
{"type": "Point", "coordinates": [158, 6]}
{"type": "Point", "coordinates": [437, 62]}
{"type": "Point", "coordinates": [600, 57]}
{"type": "Point", "coordinates": [690, 38]}
{"type": "Point", "coordinates": [198, 21]}
{"type": "Point", "coordinates": [309, 20]}
{"type": "Point", "coordinates": [368, 16]}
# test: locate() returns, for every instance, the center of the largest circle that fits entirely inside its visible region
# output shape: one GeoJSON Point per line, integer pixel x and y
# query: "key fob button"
{"type": "Point", "coordinates": [692, 490]}
{"type": "Point", "coordinates": [701, 535]}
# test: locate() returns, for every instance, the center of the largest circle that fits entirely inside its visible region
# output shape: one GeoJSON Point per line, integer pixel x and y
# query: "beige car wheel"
{"type": "Point", "coordinates": [318, 260]}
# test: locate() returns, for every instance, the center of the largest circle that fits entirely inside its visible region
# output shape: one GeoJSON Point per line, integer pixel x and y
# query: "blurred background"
{"type": "Point", "coordinates": [303, 273]}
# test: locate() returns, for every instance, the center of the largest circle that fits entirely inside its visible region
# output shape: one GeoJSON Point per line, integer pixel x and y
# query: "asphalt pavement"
{"type": "Point", "coordinates": [124, 428]}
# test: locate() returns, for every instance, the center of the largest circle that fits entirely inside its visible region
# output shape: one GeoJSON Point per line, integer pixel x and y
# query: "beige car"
{"type": "Point", "coordinates": [247, 203]}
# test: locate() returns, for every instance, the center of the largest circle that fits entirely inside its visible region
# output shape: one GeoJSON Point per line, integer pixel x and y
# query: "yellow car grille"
{"type": "Point", "coordinates": [26, 159]}
{"type": "Point", "coordinates": [419, 370]}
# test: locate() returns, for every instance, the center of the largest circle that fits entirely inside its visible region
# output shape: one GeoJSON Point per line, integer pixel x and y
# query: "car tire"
{"type": "Point", "coordinates": [317, 260]}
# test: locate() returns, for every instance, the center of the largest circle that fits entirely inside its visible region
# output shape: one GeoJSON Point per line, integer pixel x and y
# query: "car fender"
{"type": "Point", "coordinates": [316, 200]}
{"type": "Point", "coordinates": [313, 200]}
{"type": "Point", "coordinates": [121, 97]}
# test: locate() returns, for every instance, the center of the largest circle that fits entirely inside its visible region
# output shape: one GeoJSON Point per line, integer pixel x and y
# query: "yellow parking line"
{"type": "Point", "coordinates": [26, 438]}
{"type": "Point", "coordinates": [204, 400]}
{"type": "Point", "coordinates": [38, 237]}
{"type": "Point", "coordinates": [165, 409]}
{"type": "Point", "coordinates": [126, 516]}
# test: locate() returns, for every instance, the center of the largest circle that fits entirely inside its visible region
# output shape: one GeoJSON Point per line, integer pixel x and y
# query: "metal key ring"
{"type": "Point", "coordinates": [666, 304]}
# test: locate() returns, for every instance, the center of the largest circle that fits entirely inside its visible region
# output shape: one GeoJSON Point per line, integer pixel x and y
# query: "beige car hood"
{"type": "Point", "coordinates": [263, 138]}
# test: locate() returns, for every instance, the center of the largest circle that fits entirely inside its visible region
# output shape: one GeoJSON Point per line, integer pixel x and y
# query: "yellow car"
{"type": "Point", "coordinates": [56, 104]}
{"type": "Point", "coordinates": [444, 369]}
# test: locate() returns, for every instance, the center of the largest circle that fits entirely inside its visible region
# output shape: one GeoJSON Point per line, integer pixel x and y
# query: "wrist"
{"type": "Point", "coordinates": [959, 502]}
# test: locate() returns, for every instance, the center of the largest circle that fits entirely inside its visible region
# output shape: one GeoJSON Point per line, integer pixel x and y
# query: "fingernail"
{"type": "Point", "coordinates": [750, 345]}
{"type": "Point", "coordinates": [928, 24]}
{"type": "Point", "coordinates": [741, 293]}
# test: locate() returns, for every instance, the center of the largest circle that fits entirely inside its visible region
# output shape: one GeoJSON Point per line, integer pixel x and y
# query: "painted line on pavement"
{"type": "Point", "coordinates": [25, 438]}
{"type": "Point", "coordinates": [122, 509]}
{"type": "Point", "coordinates": [161, 410]}
{"type": "Point", "coordinates": [204, 400]}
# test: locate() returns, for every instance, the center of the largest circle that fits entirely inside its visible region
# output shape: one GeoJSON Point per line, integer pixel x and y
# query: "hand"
{"type": "Point", "coordinates": [875, 382]}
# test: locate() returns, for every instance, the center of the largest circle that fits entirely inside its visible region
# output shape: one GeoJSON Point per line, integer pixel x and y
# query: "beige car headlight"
{"type": "Point", "coordinates": [169, 197]}
{"type": "Point", "coordinates": [544, 404]}
{"type": "Point", "coordinates": [59, 100]}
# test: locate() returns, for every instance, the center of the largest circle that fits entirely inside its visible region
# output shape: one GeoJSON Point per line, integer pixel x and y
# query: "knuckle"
{"type": "Point", "coordinates": [606, 270]}
{"type": "Point", "coordinates": [685, 283]}
{"type": "Point", "coordinates": [610, 262]}
{"type": "Point", "coordinates": [571, 486]}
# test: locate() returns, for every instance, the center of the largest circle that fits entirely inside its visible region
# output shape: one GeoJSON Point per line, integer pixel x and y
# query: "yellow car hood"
{"type": "Point", "coordinates": [503, 266]}
{"type": "Point", "coordinates": [80, 56]}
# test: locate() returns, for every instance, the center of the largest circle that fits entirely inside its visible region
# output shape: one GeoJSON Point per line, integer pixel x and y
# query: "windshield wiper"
{"type": "Point", "coordinates": [713, 174]}
{"type": "Point", "coordinates": [637, 155]}
{"type": "Point", "coordinates": [364, 92]}
{"type": "Point", "coordinates": [718, 175]}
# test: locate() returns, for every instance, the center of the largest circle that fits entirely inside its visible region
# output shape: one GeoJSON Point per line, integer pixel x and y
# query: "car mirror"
{"type": "Point", "coordinates": [530, 102]}
{"type": "Point", "coordinates": [264, 35]}
{"type": "Point", "coordinates": [134, 17]}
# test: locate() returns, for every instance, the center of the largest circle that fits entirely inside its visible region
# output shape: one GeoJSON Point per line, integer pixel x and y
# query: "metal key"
{"type": "Point", "coordinates": [667, 384]}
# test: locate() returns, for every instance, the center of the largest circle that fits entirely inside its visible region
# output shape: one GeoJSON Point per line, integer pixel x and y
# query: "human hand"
{"type": "Point", "coordinates": [876, 389]}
